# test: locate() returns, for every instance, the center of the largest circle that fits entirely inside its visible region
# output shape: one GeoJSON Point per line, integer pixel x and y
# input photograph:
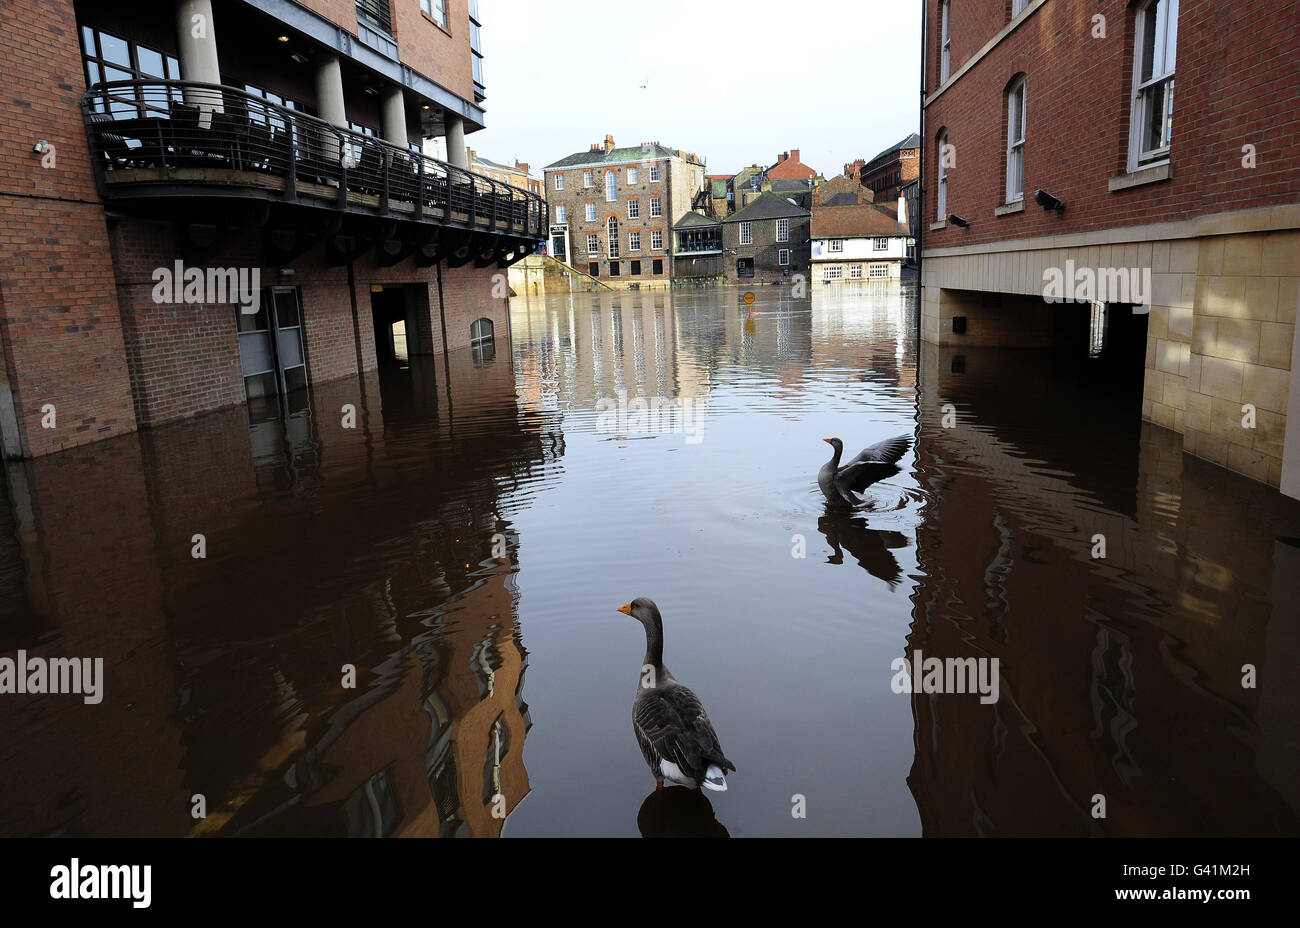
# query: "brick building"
{"type": "Point", "coordinates": [286, 162]}
{"type": "Point", "coordinates": [789, 167]}
{"type": "Point", "coordinates": [859, 241]}
{"type": "Point", "coordinates": [766, 242]}
{"type": "Point", "coordinates": [520, 175]}
{"type": "Point", "coordinates": [1060, 164]}
{"type": "Point", "coordinates": [886, 173]}
{"type": "Point", "coordinates": [613, 209]}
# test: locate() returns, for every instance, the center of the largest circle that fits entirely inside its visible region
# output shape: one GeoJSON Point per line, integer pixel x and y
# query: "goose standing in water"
{"type": "Point", "coordinates": [874, 463]}
{"type": "Point", "coordinates": [675, 734]}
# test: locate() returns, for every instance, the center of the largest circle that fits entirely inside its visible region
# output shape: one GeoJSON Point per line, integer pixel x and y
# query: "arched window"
{"type": "Point", "coordinates": [611, 186]}
{"type": "Point", "coordinates": [1155, 54]}
{"type": "Point", "coordinates": [941, 197]}
{"type": "Point", "coordinates": [611, 234]}
{"type": "Point", "coordinates": [481, 340]}
{"type": "Point", "coordinates": [1016, 123]}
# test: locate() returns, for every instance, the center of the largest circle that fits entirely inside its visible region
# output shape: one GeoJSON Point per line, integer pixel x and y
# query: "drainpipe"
{"type": "Point", "coordinates": [919, 218]}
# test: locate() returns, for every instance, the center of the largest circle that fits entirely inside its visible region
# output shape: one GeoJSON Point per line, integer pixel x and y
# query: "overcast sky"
{"type": "Point", "coordinates": [735, 81]}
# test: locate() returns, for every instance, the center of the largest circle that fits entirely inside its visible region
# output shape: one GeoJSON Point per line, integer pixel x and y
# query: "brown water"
{"type": "Point", "coordinates": [485, 672]}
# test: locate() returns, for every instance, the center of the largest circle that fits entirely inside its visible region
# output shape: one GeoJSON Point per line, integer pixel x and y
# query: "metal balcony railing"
{"type": "Point", "coordinates": [150, 132]}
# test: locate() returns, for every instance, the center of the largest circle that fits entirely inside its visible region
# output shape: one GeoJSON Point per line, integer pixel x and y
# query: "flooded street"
{"type": "Point", "coordinates": [466, 545]}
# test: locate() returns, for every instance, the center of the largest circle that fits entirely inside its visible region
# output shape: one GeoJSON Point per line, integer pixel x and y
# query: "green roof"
{"type": "Point", "coordinates": [696, 221]}
{"type": "Point", "coordinates": [617, 155]}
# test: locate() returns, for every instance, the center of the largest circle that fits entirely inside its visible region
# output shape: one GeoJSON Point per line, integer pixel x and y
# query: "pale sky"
{"type": "Point", "coordinates": [735, 81]}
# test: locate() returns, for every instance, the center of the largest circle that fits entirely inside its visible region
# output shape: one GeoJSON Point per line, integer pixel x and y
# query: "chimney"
{"type": "Point", "coordinates": [521, 165]}
{"type": "Point", "coordinates": [609, 144]}
{"type": "Point", "coordinates": [794, 155]}
{"type": "Point", "coordinates": [781, 157]}
{"type": "Point", "coordinates": [902, 209]}
{"type": "Point", "coordinates": [596, 146]}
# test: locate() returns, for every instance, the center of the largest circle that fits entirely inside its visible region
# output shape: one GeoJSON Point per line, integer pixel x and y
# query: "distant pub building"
{"type": "Point", "coordinates": [613, 210]}
{"type": "Point", "coordinates": [1069, 170]}
{"type": "Point", "coordinates": [213, 201]}
{"type": "Point", "coordinates": [859, 241]}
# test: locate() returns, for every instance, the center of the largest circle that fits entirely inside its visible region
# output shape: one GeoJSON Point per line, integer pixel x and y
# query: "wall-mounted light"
{"type": "Point", "coordinates": [1047, 201]}
{"type": "Point", "coordinates": [956, 220]}
{"type": "Point", "coordinates": [41, 147]}
{"type": "Point", "coordinates": [282, 38]}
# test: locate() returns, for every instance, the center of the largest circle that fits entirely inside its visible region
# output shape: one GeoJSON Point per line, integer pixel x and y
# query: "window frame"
{"type": "Point", "coordinates": [783, 257]}
{"type": "Point", "coordinates": [656, 239]}
{"type": "Point", "coordinates": [835, 244]}
{"type": "Point", "coordinates": [945, 40]}
{"type": "Point", "coordinates": [880, 243]}
{"type": "Point", "coordinates": [655, 173]}
{"type": "Point", "coordinates": [588, 179]}
{"type": "Point", "coordinates": [746, 233]}
{"type": "Point", "coordinates": [589, 211]}
{"type": "Point", "coordinates": [559, 181]}
{"type": "Point", "coordinates": [632, 175]}
{"type": "Point", "coordinates": [611, 236]}
{"type": "Point", "coordinates": [1140, 101]}
{"type": "Point", "coordinates": [634, 240]}
{"type": "Point", "coordinates": [1015, 144]}
{"type": "Point", "coordinates": [611, 185]}
{"type": "Point", "coordinates": [633, 207]}
{"type": "Point", "coordinates": [783, 230]}
{"type": "Point", "coordinates": [593, 243]}
{"type": "Point", "coordinates": [656, 207]}
{"type": "Point", "coordinates": [941, 184]}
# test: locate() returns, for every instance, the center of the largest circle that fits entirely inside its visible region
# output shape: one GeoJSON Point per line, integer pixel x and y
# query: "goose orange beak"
{"type": "Point", "coordinates": [827, 440]}
{"type": "Point", "coordinates": [626, 608]}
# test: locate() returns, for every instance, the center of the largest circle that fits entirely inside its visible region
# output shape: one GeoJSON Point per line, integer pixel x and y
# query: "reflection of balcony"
{"type": "Point", "coordinates": [155, 142]}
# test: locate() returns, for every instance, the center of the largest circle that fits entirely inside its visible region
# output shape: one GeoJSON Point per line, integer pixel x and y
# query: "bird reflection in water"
{"type": "Point", "coordinates": [871, 548]}
{"type": "Point", "coordinates": [679, 812]}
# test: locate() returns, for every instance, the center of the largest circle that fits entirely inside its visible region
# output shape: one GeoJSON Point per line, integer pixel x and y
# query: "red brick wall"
{"type": "Point", "coordinates": [59, 324]}
{"type": "Point", "coordinates": [442, 55]}
{"type": "Point", "coordinates": [1238, 82]}
{"type": "Point", "coordinates": [467, 295]}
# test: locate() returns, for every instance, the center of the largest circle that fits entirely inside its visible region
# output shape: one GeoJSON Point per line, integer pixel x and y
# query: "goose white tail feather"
{"type": "Point", "coordinates": [714, 779]}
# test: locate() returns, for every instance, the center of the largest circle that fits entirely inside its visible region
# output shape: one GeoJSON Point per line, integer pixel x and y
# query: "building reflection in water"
{"type": "Point", "coordinates": [370, 546]}
{"type": "Point", "coordinates": [1120, 677]}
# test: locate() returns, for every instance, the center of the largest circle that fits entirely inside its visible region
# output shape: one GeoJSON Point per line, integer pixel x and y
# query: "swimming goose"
{"type": "Point", "coordinates": [675, 734]}
{"type": "Point", "coordinates": [875, 463]}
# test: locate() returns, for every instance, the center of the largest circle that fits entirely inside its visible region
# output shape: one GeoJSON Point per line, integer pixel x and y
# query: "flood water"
{"type": "Point", "coordinates": [465, 547]}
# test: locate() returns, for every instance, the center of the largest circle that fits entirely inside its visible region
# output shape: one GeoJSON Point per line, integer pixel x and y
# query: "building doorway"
{"type": "Point", "coordinates": [394, 335]}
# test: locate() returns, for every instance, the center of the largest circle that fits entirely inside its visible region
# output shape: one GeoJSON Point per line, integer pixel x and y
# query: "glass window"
{"type": "Point", "coordinates": [611, 186]}
{"type": "Point", "coordinates": [941, 199]}
{"type": "Point", "coordinates": [559, 181]}
{"type": "Point", "coordinates": [656, 239]}
{"type": "Point", "coordinates": [746, 234]}
{"type": "Point", "coordinates": [588, 179]}
{"type": "Point", "coordinates": [1016, 142]}
{"type": "Point", "coordinates": [634, 240]}
{"type": "Point", "coordinates": [654, 173]}
{"type": "Point", "coordinates": [593, 246]}
{"type": "Point", "coordinates": [561, 213]}
{"type": "Point", "coordinates": [1153, 91]}
{"type": "Point", "coordinates": [945, 39]}
{"type": "Point", "coordinates": [783, 230]}
{"type": "Point", "coordinates": [783, 256]}
{"type": "Point", "coordinates": [591, 212]}
{"type": "Point", "coordinates": [656, 206]}
{"type": "Point", "coordinates": [611, 237]}
{"type": "Point", "coordinates": [631, 175]}
{"type": "Point", "coordinates": [437, 11]}
{"type": "Point", "coordinates": [633, 208]}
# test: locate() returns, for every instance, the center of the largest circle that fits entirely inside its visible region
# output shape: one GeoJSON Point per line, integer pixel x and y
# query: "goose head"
{"type": "Point", "coordinates": [836, 444]}
{"type": "Point", "coordinates": [644, 611]}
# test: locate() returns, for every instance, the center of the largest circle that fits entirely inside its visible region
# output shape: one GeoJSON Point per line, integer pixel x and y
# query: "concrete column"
{"type": "Point", "coordinates": [394, 117]}
{"type": "Point", "coordinates": [455, 140]}
{"type": "Point", "coordinates": [329, 102]}
{"type": "Point", "coordinates": [196, 40]}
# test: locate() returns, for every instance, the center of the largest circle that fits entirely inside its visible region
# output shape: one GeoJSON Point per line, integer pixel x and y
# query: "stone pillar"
{"type": "Point", "coordinates": [329, 101]}
{"type": "Point", "coordinates": [394, 117]}
{"type": "Point", "coordinates": [455, 140]}
{"type": "Point", "coordinates": [196, 41]}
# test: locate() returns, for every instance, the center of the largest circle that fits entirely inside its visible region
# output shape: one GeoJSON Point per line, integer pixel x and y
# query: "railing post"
{"type": "Point", "coordinates": [419, 187]}
{"type": "Point", "coordinates": [291, 179]}
{"type": "Point", "coordinates": [383, 194]}
{"type": "Point", "coordinates": [343, 168]}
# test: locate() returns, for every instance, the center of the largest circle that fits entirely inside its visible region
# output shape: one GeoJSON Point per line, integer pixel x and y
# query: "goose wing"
{"type": "Point", "coordinates": [874, 463]}
{"type": "Point", "coordinates": [672, 725]}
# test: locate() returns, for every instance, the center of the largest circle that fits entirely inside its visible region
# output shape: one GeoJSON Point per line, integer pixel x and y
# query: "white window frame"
{"type": "Point", "coordinates": [880, 243]}
{"type": "Point", "coordinates": [654, 173]}
{"type": "Point", "coordinates": [611, 236]}
{"type": "Point", "coordinates": [656, 207]}
{"type": "Point", "coordinates": [634, 240]}
{"type": "Point", "coordinates": [611, 186]}
{"type": "Point", "coordinates": [593, 244]}
{"type": "Point", "coordinates": [559, 181]}
{"type": "Point", "coordinates": [1144, 91]}
{"type": "Point", "coordinates": [589, 213]}
{"type": "Point", "coordinates": [746, 234]}
{"type": "Point", "coordinates": [1018, 7]}
{"type": "Point", "coordinates": [941, 197]}
{"type": "Point", "coordinates": [633, 208]}
{"type": "Point", "coordinates": [1015, 190]}
{"type": "Point", "coordinates": [855, 272]}
{"type": "Point", "coordinates": [632, 175]}
{"type": "Point", "coordinates": [877, 271]}
{"type": "Point", "coordinates": [945, 40]}
{"type": "Point", "coordinates": [588, 178]}
{"type": "Point", "coordinates": [561, 212]}
{"type": "Point", "coordinates": [833, 272]}
{"type": "Point", "coordinates": [783, 256]}
{"type": "Point", "coordinates": [656, 239]}
{"type": "Point", "coordinates": [835, 244]}
{"type": "Point", "coordinates": [783, 230]}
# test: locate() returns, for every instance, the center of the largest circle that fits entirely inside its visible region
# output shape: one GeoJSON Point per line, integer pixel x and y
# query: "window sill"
{"type": "Point", "coordinates": [429, 19]}
{"type": "Point", "coordinates": [1006, 209]}
{"type": "Point", "coordinates": [1141, 177]}
{"type": "Point", "coordinates": [936, 226]}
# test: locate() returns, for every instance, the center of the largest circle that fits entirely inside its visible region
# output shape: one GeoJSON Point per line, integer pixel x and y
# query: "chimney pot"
{"type": "Point", "coordinates": [609, 143]}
